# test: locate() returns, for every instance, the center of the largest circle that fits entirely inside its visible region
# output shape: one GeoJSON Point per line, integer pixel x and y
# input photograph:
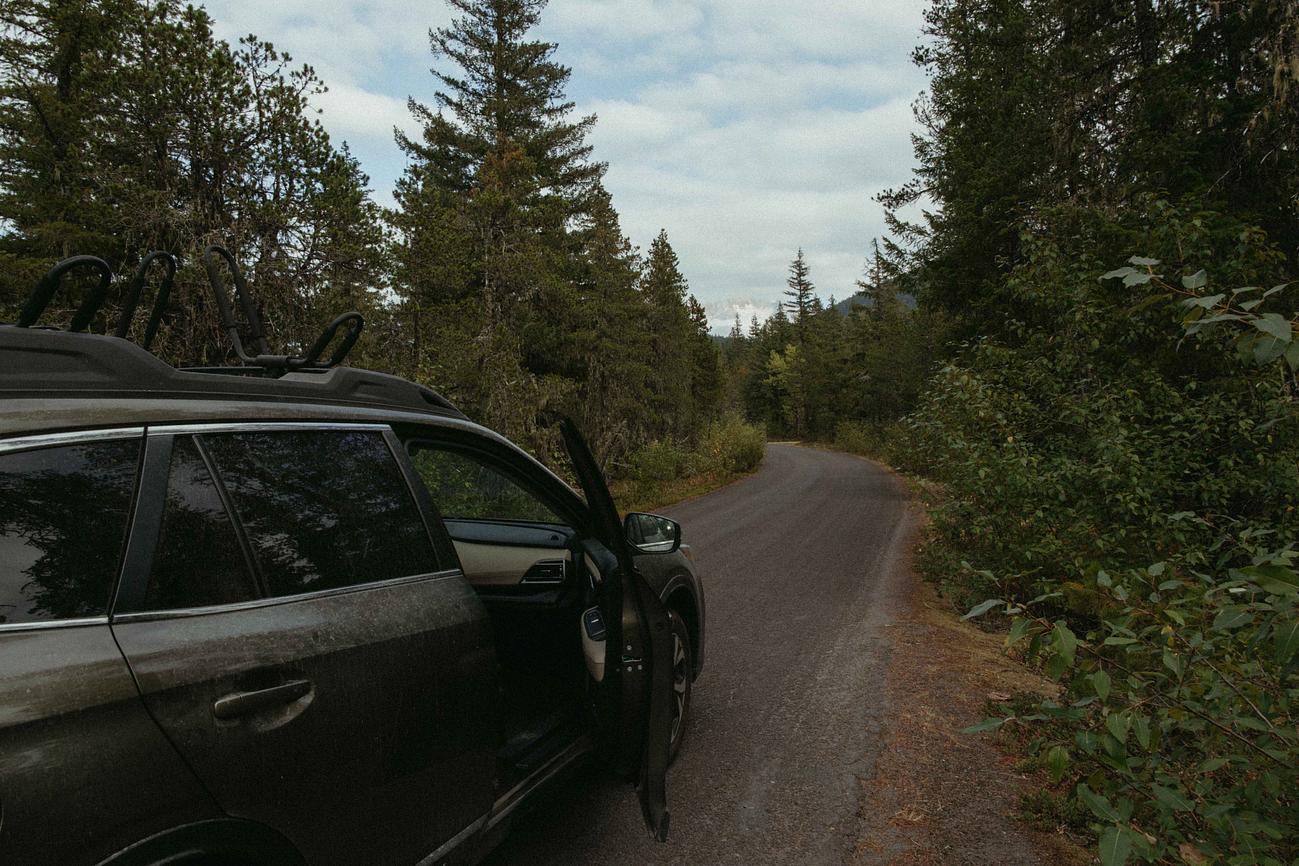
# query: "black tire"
{"type": "Point", "coordinates": [683, 674]}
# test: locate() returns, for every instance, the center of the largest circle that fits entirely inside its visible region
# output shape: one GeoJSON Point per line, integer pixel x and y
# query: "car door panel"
{"type": "Point", "coordinates": [381, 725]}
{"type": "Point", "coordinates": [356, 719]}
{"type": "Point", "coordinates": [69, 710]}
{"type": "Point", "coordinates": [635, 692]}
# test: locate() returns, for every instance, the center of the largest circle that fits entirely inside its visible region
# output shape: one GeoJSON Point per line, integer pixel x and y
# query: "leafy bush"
{"type": "Point", "coordinates": [856, 437]}
{"type": "Point", "coordinates": [728, 446]}
{"type": "Point", "coordinates": [724, 447]}
{"type": "Point", "coordinates": [1122, 478]}
{"type": "Point", "coordinates": [662, 460]}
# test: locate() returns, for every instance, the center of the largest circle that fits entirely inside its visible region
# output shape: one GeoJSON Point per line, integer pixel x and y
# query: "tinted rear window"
{"type": "Point", "coordinates": [322, 509]}
{"type": "Point", "coordinates": [198, 561]}
{"type": "Point", "coordinates": [63, 514]}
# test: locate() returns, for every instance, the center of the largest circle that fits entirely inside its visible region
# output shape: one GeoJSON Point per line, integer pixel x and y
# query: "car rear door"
{"type": "Point", "coordinates": [300, 631]}
{"type": "Point", "coordinates": [636, 691]}
{"type": "Point", "coordinates": [83, 769]}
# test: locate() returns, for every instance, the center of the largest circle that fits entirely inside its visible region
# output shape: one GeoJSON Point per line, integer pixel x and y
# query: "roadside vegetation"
{"type": "Point", "coordinates": [1097, 384]}
{"type": "Point", "coordinates": [1081, 333]}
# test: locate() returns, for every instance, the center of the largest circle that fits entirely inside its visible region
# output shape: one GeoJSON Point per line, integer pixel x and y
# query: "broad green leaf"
{"type": "Point", "coordinates": [1136, 278]}
{"type": "Point", "coordinates": [1232, 616]}
{"type": "Point", "coordinates": [1207, 302]}
{"type": "Point", "coordinates": [1286, 641]}
{"type": "Point", "coordinates": [1100, 806]}
{"type": "Point", "coordinates": [1117, 273]}
{"type": "Point", "coordinates": [1197, 280]}
{"type": "Point", "coordinates": [1018, 629]}
{"type": "Point", "coordinates": [1057, 761]}
{"type": "Point", "coordinates": [1101, 683]}
{"type": "Point", "coordinates": [1117, 725]}
{"type": "Point", "coordinates": [1274, 325]}
{"type": "Point", "coordinates": [1065, 641]}
{"type": "Point", "coordinates": [1115, 846]}
{"type": "Point", "coordinates": [1143, 262]}
{"type": "Point", "coordinates": [1213, 764]}
{"type": "Point", "coordinates": [1141, 729]}
{"type": "Point", "coordinates": [985, 725]}
{"type": "Point", "coordinates": [1056, 665]}
{"type": "Point", "coordinates": [1172, 799]}
{"type": "Point", "coordinates": [1267, 349]}
{"type": "Point", "coordinates": [982, 607]}
{"type": "Point", "coordinates": [1276, 579]}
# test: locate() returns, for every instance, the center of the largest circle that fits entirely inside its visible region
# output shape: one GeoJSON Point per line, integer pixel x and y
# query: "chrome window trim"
{"type": "Point", "coordinates": [36, 625]}
{"type": "Point", "coordinates": [262, 427]}
{"type": "Point", "coordinates": [71, 437]}
{"type": "Point", "coordinates": [271, 601]}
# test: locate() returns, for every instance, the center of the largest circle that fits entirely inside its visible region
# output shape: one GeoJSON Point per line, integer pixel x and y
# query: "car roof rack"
{"type": "Point", "coordinates": [41, 359]}
{"type": "Point", "coordinates": [159, 302]}
{"type": "Point", "coordinates": [263, 362]}
{"type": "Point", "coordinates": [45, 290]}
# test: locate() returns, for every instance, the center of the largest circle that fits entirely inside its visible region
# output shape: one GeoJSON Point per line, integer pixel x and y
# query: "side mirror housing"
{"type": "Point", "coordinates": [652, 533]}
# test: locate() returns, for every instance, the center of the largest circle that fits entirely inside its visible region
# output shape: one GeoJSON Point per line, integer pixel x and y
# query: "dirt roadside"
{"type": "Point", "coordinates": [938, 796]}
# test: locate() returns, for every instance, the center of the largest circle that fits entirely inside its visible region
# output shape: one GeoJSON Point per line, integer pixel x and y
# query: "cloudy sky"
{"type": "Point", "coordinates": [746, 128]}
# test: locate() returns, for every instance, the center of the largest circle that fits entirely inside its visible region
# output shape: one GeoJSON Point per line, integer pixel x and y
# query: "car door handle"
{"type": "Point", "coordinates": [237, 704]}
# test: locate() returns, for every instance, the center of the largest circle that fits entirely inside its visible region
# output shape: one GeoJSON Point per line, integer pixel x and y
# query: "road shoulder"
{"type": "Point", "coordinates": [937, 795]}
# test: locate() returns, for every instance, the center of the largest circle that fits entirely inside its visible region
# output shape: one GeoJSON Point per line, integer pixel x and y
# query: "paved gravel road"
{"type": "Point", "coordinates": [800, 564]}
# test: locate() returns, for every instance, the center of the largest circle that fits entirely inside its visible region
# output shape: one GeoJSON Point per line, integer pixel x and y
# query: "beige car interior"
{"type": "Point", "coordinates": [499, 565]}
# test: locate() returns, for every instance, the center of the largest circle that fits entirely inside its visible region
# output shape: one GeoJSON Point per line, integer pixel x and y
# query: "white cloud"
{"type": "Point", "coordinates": [746, 128]}
{"type": "Point", "coordinates": [353, 113]}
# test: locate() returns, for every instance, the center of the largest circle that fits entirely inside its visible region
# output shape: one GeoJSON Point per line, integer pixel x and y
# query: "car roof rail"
{"type": "Point", "coordinates": [160, 300]}
{"type": "Point", "coordinates": [40, 298]}
{"type": "Point", "coordinates": [261, 361]}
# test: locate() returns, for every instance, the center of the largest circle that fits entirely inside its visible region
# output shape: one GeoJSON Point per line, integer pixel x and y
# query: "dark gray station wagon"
{"type": "Point", "coordinates": [321, 618]}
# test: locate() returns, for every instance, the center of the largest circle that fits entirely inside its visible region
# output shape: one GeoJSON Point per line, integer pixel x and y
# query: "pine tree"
{"type": "Point", "coordinates": [668, 322]}
{"type": "Point", "coordinates": [800, 292]}
{"type": "Point", "coordinates": [495, 180]}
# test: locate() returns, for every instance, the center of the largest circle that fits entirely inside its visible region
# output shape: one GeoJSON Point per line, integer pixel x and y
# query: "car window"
{"type": "Point", "coordinates": [63, 514]}
{"type": "Point", "coordinates": [463, 487]}
{"type": "Point", "coordinates": [322, 509]}
{"type": "Point", "coordinates": [198, 561]}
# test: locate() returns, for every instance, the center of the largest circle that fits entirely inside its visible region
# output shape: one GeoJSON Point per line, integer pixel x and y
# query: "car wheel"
{"type": "Point", "coordinates": [683, 669]}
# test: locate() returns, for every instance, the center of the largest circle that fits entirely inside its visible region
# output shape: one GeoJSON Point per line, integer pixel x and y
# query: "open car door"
{"type": "Point", "coordinates": [636, 692]}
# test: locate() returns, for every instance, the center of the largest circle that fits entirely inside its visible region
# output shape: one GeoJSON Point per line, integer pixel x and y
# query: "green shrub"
{"type": "Point", "coordinates": [728, 446]}
{"type": "Point", "coordinates": [856, 437]}
{"type": "Point", "coordinates": [1126, 490]}
{"type": "Point", "coordinates": [662, 460]}
{"type": "Point", "coordinates": [724, 447]}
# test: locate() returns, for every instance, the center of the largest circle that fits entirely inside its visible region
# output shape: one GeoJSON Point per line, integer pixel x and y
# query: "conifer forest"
{"type": "Point", "coordinates": [1079, 338]}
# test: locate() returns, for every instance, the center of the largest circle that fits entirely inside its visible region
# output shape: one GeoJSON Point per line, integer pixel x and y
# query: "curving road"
{"type": "Point", "coordinates": [800, 563]}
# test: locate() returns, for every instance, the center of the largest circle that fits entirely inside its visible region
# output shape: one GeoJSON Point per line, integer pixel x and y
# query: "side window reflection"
{"type": "Point", "coordinates": [63, 514]}
{"type": "Point", "coordinates": [322, 509]}
{"type": "Point", "coordinates": [198, 561]}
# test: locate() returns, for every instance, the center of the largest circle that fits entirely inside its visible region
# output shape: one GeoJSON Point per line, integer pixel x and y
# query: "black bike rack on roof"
{"type": "Point", "coordinates": [263, 361]}
{"type": "Point", "coordinates": [159, 302]}
{"type": "Point", "coordinates": [260, 363]}
{"type": "Point", "coordinates": [49, 284]}
{"type": "Point", "coordinates": [87, 363]}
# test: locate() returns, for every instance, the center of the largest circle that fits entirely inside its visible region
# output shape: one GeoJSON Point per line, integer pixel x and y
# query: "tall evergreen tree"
{"type": "Point", "coordinates": [496, 178]}
{"type": "Point", "coordinates": [802, 301]}
{"type": "Point", "coordinates": [668, 321]}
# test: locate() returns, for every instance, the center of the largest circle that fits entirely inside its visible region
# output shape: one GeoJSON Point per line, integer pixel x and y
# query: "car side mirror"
{"type": "Point", "coordinates": [650, 533]}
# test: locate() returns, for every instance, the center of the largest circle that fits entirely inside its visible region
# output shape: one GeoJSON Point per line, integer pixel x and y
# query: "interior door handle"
{"type": "Point", "coordinates": [237, 704]}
